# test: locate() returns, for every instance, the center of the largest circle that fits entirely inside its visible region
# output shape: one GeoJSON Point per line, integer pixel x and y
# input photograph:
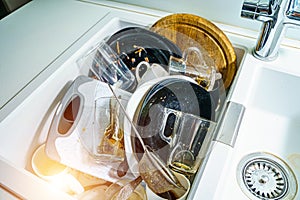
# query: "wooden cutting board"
{"type": "Point", "coordinates": [187, 30]}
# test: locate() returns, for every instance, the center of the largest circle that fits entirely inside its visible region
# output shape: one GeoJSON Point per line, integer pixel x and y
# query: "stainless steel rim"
{"type": "Point", "coordinates": [265, 176]}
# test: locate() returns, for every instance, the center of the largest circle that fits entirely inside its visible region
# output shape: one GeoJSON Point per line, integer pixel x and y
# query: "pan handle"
{"type": "Point", "coordinates": [68, 112]}
{"type": "Point", "coordinates": [66, 116]}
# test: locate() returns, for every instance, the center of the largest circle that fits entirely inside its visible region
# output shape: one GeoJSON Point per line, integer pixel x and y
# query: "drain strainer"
{"type": "Point", "coordinates": [264, 176]}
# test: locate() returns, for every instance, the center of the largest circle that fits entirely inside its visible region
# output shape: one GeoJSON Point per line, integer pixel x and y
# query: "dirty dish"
{"type": "Point", "coordinates": [172, 93]}
{"type": "Point", "coordinates": [55, 173]}
{"type": "Point", "coordinates": [175, 92]}
{"type": "Point", "coordinates": [188, 30]}
{"type": "Point", "coordinates": [136, 44]}
{"type": "Point", "coordinates": [151, 168]}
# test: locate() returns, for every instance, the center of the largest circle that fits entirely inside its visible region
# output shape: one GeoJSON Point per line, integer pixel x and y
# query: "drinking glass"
{"type": "Point", "coordinates": [189, 140]}
{"type": "Point", "coordinates": [108, 133]}
{"type": "Point", "coordinates": [106, 66]}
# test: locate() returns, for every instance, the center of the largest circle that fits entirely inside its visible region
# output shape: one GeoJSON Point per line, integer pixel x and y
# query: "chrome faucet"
{"type": "Point", "coordinates": [277, 16]}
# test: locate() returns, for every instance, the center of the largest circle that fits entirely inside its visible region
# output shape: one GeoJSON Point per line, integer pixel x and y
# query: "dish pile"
{"type": "Point", "coordinates": [146, 110]}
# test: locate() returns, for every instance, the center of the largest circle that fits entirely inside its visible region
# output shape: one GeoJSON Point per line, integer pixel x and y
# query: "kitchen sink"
{"type": "Point", "coordinates": [268, 123]}
{"type": "Point", "coordinates": [24, 130]}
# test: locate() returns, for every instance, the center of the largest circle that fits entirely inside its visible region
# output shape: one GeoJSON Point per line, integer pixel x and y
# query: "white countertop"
{"type": "Point", "coordinates": [33, 37]}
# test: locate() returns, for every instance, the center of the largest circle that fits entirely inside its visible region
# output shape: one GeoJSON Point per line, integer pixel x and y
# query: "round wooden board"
{"type": "Point", "coordinates": [187, 30]}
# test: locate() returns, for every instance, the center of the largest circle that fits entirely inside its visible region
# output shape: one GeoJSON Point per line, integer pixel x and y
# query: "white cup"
{"type": "Point", "coordinates": [55, 173]}
{"type": "Point", "coordinates": [152, 71]}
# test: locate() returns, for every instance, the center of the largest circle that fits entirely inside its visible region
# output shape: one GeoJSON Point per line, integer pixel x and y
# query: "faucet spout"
{"type": "Point", "coordinates": [276, 16]}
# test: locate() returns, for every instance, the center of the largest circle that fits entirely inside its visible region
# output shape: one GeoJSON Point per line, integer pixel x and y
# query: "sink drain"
{"type": "Point", "coordinates": [264, 179]}
{"type": "Point", "coordinates": [264, 176]}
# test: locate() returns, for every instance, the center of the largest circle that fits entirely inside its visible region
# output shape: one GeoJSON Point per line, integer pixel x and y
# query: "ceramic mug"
{"type": "Point", "coordinates": [152, 71]}
{"type": "Point", "coordinates": [54, 172]}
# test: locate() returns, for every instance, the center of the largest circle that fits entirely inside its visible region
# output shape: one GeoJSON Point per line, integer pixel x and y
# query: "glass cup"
{"type": "Point", "coordinates": [193, 64]}
{"type": "Point", "coordinates": [189, 139]}
{"type": "Point", "coordinates": [108, 130]}
{"type": "Point", "coordinates": [218, 97]}
{"type": "Point", "coordinates": [106, 65]}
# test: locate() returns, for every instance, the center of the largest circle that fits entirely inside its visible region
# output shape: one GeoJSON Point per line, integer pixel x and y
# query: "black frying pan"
{"type": "Point", "coordinates": [135, 44]}
{"type": "Point", "coordinates": [173, 93]}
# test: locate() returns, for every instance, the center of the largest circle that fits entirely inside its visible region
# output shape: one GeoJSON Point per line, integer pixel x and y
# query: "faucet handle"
{"type": "Point", "coordinates": [261, 10]}
{"type": "Point", "coordinates": [249, 9]}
